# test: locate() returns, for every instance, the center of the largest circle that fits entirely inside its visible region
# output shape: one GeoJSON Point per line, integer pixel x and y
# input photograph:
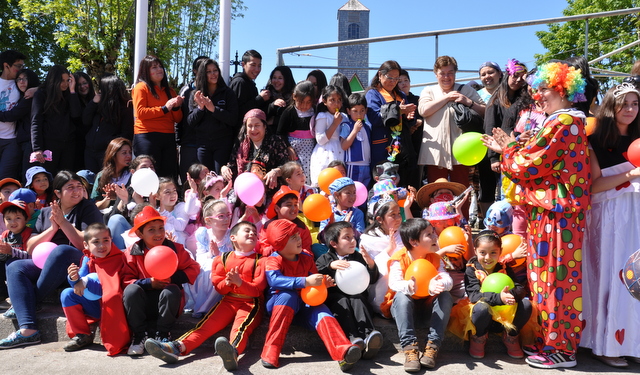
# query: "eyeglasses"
{"type": "Point", "coordinates": [22, 79]}
{"type": "Point", "coordinates": [19, 66]}
{"type": "Point", "coordinates": [450, 74]}
{"type": "Point", "coordinates": [392, 79]}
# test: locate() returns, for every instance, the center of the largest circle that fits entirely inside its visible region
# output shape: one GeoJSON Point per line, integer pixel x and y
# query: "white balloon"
{"type": "Point", "coordinates": [354, 280]}
{"type": "Point", "coordinates": [145, 182]}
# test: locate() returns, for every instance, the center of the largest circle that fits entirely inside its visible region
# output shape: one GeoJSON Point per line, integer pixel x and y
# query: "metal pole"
{"type": "Point", "coordinates": [225, 38]}
{"type": "Point", "coordinates": [614, 52]}
{"type": "Point", "coordinates": [437, 46]}
{"type": "Point", "coordinates": [586, 38]}
{"type": "Point", "coordinates": [142, 17]}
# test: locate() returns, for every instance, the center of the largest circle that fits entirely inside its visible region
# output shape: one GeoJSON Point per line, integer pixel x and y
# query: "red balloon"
{"type": "Point", "coordinates": [510, 243]}
{"type": "Point", "coordinates": [633, 153]}
{"type": "Point", "coordinates": [161, 262]}
{"type": "Point", "coordinates": [314, 295]}
{"type": "Point", "coordinates": [423, 271]}
{"type": "Point", "coordinates": [452, 236]}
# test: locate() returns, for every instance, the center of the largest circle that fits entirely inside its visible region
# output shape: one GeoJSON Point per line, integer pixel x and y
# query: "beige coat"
{"type": "Point", "coordinates": [440, 129]}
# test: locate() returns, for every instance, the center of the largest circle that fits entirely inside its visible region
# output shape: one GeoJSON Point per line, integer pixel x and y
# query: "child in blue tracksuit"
{"type": "Point", "coordinates": [95, 293]}
{"type": "Point", "coordinates": [354, 139]}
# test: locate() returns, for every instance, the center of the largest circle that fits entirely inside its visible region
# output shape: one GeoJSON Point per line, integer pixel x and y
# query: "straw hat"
{"type": "Point", "coordinates": [423, 198]}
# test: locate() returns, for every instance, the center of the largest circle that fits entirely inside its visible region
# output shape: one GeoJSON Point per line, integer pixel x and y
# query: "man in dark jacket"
{"type": "Point", "coordinates": [243, 84]}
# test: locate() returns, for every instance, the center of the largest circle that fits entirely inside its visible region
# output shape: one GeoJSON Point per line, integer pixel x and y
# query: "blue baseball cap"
{"type": "Point", "coordinates": [25, 195]}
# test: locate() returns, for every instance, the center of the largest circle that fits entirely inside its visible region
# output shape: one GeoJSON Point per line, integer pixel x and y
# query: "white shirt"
{"type": "Point", "coordinates": [9, 96]}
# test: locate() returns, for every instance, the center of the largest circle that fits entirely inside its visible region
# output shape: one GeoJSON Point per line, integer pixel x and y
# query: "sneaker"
{"type": "Point", "coordinates": [360, 342]}
{"type": "Point", "coordinates": [16, 339]}
{"type": "Point", "coordinates": [411, 358]}
{"type": "Point", "coordinates": [428, 359]}
{"type": "Point", "coordinates": [137, 344]}
{"type": "Point", "coordinates": [10, 314]}
{"type": "Point", "coordinates": [513, 346]}
{"type": "Point", "coordinates": [352, 356]}
{"type": "Point", "coordinates": [552, 360]}
{"type": "Point", "coordinates": [476, 345]}
{"type": "Point", "coordinates": [166, 351]}
{"type": "Point", "coordinates": [227, 353]}
{"type": "Point", "coordinates": [78, 342]}
{"type": "Point", "coordinates": [373, 343]}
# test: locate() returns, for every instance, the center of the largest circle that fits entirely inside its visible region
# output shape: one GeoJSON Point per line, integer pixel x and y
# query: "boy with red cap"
{"type": "Point", "coordinates": [239, 276]}
{"type": "Point", "coordinates": [288, 270]}
{"type": "Point", "coordinates": [13, 241]}
{"type": "Point", "coordinates": [146, 297]}
{"type": "Point", "coordinates": [96, 294]}
{"type": "Point", "coordinates": [284, 206]}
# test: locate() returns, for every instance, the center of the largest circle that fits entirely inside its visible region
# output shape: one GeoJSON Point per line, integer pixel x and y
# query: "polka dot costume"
{"type": "Point", "coordinates": [552, 170]}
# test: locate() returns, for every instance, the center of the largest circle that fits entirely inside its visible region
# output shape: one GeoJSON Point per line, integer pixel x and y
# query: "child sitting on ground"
{"type": "Point", "coordinates": [352, 311]}
{"type": "Point", "coordinates": [239, 276]}
{"type": "Point", "coordinates": [288, 270]}
{"type": "Point", "coordinates": [146, 298]}
{"type": "Point", "coordinates": [488, 248]}
{"type": "Point", "coordinates": [13, 241]}
{"type": "Point", "coordinates": [95, 294]}
{"type": "Point", "coordinates": [284, 206]}
{"type": "Point", "coordinates": [401, 302]}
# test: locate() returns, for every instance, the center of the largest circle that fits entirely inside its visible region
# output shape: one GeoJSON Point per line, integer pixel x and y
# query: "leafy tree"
{"type": "Point", "coordinates": [605, 35]}
{"type": "Point", "coordinates": [98, 35]}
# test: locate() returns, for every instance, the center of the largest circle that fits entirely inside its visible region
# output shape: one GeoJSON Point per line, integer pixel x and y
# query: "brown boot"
{"type": "Point", "coordinates": [476, 345]}
{"type": "Point", "coordinates": [513, 345]}
{"type": "Point", "coordinates": [411, 358]}
{"type": "Point", "coordinates": [428, 359]}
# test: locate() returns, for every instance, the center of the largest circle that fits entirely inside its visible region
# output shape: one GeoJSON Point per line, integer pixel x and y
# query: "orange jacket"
{"type": "Point", "coordinates": [148, 112]}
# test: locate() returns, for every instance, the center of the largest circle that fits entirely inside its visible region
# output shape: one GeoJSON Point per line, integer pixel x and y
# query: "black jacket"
{"type": "Point", "coordinates": [100, 131]}
{"type": "Point", "coordinates": [219, 126]}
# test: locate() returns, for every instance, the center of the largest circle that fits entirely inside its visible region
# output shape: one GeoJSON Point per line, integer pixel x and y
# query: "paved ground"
{"type": "Point", "coordinates": [51, 359]}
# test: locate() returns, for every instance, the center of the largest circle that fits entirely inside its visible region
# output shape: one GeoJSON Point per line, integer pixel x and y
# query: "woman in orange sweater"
{"type": "Point", "coordinates": [156, 109]}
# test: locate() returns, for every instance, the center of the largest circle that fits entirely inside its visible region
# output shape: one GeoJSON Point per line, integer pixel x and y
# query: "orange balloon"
{"type": "Point", "coordinates": [401, 202]}
{"type": "Point", "coordinates": [591, 125]}
{"type": "Point", "coordinates": [452, 236]}
{"type": "Point", "coordinates": [314, 295]}
{"type": "Point", "coordinates": [316, 207]}
{"type": "Point", "coordinates": [510, 243]}
{"type": "Point", "coordinates": [326, 177]}
{"type": "Point", "coordinates": [423, 271]}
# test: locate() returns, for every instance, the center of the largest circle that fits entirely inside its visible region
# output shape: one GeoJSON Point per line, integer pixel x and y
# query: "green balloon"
{"type": "Point", "coordinates": [468, 148]}
{"type": "Point", "coordinates": [496, 282]}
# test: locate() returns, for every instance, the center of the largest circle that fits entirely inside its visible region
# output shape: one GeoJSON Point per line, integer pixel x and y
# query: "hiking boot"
{"type": "Point", "coordinates": [411, 358]}
{"type": "Point", "coordinates": [137, 344]}
{"type": "Point", "coordinates": [166, 351]}
{"type": "Point", "coordinates": [428, 359]}
{"type": "Point", "coordinates": [373, 343]}
{"type": "Point", "coordinates": [352, 356]}
{"type": "Point", "coordinates": [227, 353]}
{"type": "Point", "coordinates": [560, 359]}
{"type": "Point", "coordinates": [476, 345]}
{"type": "Point", "coordinates": [16, 339]}
{"type": "Point", "coordinates": [78, 342]}
{"type": "Point", "coordinates": [513, 346]}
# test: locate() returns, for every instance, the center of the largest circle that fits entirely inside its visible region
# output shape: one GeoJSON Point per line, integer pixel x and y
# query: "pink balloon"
{"type": "Point", "coordinates": [361, 194]}
{"type": "Point", "coordinates": [41, 253]}
{"type": "Point", "coordinates": [249, 188]}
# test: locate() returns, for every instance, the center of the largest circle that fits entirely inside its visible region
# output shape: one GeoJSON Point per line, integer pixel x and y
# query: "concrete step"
{"type": "Point", "coordinates": [51, 322]}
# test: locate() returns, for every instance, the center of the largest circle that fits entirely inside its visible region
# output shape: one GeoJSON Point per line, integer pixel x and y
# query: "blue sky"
{"type": "Point", "coordinates": [268, 25]}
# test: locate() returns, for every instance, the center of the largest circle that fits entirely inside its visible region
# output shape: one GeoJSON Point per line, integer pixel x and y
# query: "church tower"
{"type": "Point", "coordinates": [353, 23]}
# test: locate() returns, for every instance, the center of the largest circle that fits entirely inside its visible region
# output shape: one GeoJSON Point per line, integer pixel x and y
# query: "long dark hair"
{"type": "Point", "coordinates": [202, 83]}
{"type": "Point", "coordinates": [502, 97]}
{"type": "Point", "coordinates": [113, 98]}
{"type": "Point", "coordinates": [607, 134]}
{"type": "Point", "coordinates": [109, 162]}
{"type": "Point", "coordinates": [289, 82]}
{"type": "Point", "coordinates": [56, 98]}
{"type": "Point", "coordinates": [326, 93]}
{"type": "Point", "coordinates": [32, 78]}
{"type": "Point", "coordinates": [591, 89]}
{"type": "Point", "coordinates": [62, 178]}
{"type": "Point", "coordinates": [321, 80]}
{"type": "Point", "coordinates": [144, 75]}
{"type": "Point", "coordinates": [92, 91]}
{"type": "Point", "coordinates": [385, 68]}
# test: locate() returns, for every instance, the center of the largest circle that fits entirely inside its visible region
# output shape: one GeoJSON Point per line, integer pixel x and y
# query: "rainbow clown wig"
{"type": "Point", "coordinates": [562, 78]}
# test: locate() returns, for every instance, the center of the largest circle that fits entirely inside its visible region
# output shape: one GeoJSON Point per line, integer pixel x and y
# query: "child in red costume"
{"type": "Point", "coordinates": [287, 271]}
{"type": "Point", "coordinates": [147, 298]}
{"type": "Point", "coordinates": [284, 205]}
{"type": "Point", "coordinates": [95, 294]}
{"type": "Point", "coordinates": [239, 276]}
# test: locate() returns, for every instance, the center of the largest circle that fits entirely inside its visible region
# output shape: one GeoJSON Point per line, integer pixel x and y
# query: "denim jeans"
{"type": "Point", "coordinates": [29, 284]}
{"type": "Point", "coordinates": [404, 310]}
{"type": "Point", "coordinates": [118, 225]}
{"type": "Point", "coordinates": [10, 159]}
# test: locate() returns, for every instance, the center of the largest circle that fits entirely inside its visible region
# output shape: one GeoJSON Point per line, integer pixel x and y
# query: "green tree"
{"type": "Point", "coordinates": [605, 35]}
{"type": "Point", "coordinates": [98, 35]}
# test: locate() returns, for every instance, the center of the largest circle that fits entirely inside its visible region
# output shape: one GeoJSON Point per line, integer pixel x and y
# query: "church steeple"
{"type": "Point", "coordinates": [353, 23]}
